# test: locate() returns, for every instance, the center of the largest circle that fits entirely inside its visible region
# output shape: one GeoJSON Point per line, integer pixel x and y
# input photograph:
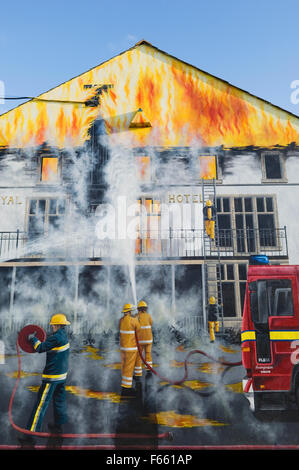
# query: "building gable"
{"type": "Point", "coordinates": [183, 105]}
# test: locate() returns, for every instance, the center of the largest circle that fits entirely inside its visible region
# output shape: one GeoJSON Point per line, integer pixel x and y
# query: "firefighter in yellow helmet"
{"type": "Point", "coordinates": [209, 214]}
{"type": "Point", "coordinates": [128, 326]}
{"type": "Point", "coordinates": [213, 318]}
{"type": "Point", "coordinates": [145, 338]}
{"type": "Point", "coordinates": [56, 346]}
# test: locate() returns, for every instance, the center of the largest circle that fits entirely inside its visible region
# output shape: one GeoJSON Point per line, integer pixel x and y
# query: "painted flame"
{"type": "Point", "coordinates": [183, 105]}
{"type": "Point", "coordinates": [176, 420]}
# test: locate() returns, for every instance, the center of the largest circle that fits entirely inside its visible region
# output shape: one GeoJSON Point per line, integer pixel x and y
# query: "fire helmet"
{"type": "Point", "coordinates": [209, 203]}
{"type": "Point", "coordinates": [128, 308]}
{"type": "Point", "coordinates": [59, 319]}
{"type": "Point", "coordinates": [212, 300]}
{"type": "Point", "coordinates": [141, 304]}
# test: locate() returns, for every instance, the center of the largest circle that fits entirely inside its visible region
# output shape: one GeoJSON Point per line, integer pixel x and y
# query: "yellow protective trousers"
{"type": "Point", "coordinates": [213, 326]}
{"type": "Point", "coordinates": [147, 354]}
{"type": "Point", "coordinates": [210, 228]}
{"type": "Point", "coordinates": [128, 361]}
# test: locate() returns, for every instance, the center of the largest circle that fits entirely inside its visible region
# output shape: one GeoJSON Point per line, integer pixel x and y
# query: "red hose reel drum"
{"type": "Point", "coordinates": [26, 345]}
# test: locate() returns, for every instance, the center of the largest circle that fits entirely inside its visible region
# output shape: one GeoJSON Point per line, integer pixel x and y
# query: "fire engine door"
{"type": "Point", "coordinates": [260, 317]}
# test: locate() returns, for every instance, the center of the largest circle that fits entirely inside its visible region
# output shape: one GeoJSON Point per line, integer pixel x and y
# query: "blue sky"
{"type": "Point", "coordinates": [253, 44]}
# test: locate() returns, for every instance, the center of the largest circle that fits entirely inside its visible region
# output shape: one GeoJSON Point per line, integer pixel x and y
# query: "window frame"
{"type": "Point", "coordinates": [255, 213]}
{"type": "Point", "coordinates": [47, 213]}
{"type": "Point", "coordinates": [283, 178]}
{"type": "Point", "coordinates": [40, 174]}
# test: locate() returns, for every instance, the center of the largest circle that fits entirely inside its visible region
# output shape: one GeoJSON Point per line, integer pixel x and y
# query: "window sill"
{"type": "Point", "coordinates": [276, 181]}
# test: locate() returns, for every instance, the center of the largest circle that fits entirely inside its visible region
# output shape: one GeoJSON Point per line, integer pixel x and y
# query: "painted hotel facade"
{"type": "Point", "coordinates": [142, 139]}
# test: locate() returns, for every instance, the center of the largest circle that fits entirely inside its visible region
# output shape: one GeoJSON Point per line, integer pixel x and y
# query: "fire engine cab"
{"type": "Point", "coordinates": [270, 335]}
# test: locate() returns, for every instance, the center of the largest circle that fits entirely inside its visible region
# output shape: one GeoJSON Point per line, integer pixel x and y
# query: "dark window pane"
{"type": "Point", "coordinates": [242, 272]}
{"type": "Point", "coordinates": [230, 272]}
{"type": "Point", "coordinates": [61, 206]}
{"type": "Point", "coordinates": [225, 235]}
{"type": "Point", "coordinates": [228, 293]}
{"type": "Point", "coordinates": [52, 206]}
{"type": "Point", "coordinates": [41, 206]}
{"type": "Point", "coordinates": [260, 204]}
{"type": "Point", "coordinates": [33, 206]}
{"type": "Point", "coordinates": [273, 167]}
{"type": "Point", "coordinates": [267, 230]}
{"type": "Point", "coordinates": [280, 297]}
{"type": "Point", "coordinates": [238, 204]}
{"type": "Point", "coordinates": [218, 204]}
{"type": "Point", "coordinates": [226, 205]}
{"type": "Point", "coordinates": [240, 233]}
{"type": "Point", "coordinates": [248, 204]}
{"type": "Point", "coordinates": [269, 204]}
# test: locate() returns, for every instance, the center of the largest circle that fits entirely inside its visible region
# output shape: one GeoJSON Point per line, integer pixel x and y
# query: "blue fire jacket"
{"type": "Point", "coordinates": [57, 348]}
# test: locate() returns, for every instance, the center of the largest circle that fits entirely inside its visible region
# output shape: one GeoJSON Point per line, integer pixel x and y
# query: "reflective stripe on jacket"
{"type": "Point", "coordinates": [145, 335]}
{"type": "Point", "coordinates": [127, 327]}
{"type": "Point", "coordinates": [57, 348]}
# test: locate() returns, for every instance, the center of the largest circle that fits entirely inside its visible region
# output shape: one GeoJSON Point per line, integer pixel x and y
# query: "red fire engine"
{"type": "Point", "coordinates": [270, 336]}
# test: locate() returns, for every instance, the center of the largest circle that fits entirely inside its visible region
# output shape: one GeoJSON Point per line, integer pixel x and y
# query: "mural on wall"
{"type": "Point", "coordinates": [157, 127]}
{"type": "Point", "coordinates": [146, 79]}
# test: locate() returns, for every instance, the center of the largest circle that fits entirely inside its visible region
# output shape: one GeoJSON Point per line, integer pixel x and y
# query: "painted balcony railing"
{"type": "Point", "coordinates": [172, 244]}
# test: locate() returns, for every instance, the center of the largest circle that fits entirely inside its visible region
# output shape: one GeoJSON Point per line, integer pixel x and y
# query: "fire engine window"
{"type": "Point", "coordinates": [280, 297]}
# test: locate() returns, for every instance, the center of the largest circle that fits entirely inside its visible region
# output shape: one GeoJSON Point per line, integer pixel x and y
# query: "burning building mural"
{"type": "Point", "coordinates": [107, 175]}
{"type": "Point", "coordinates": [142, 178]}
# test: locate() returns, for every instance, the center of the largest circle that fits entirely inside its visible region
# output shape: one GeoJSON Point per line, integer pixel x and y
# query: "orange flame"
{"type": "Point", "coordinates": [183, 105]}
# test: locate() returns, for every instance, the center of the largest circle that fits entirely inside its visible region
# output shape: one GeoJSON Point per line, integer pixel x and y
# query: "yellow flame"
{"type": "Point", "coordinates": [183, 104]}
{"type": "Point", "coordinates": [92, 353]}
{"type": "Point", "coordinates": [176, 420]}
{"type": "Point", "coordinates": [23, 374]}
{"type": "Point", "coordinates": [87, 393]}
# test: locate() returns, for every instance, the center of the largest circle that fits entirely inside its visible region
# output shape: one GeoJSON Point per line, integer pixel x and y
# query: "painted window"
{"type": "Point", "coordinates": [143, 163]}
{"type": "Point", "coordinates": [45, 215]}
{"type": "Point", "coordinates": [207, 167]}
{"type": "Point", "coordinates": [247, 223]}
{"type": "Point", "coordinates": [149, 227]}
{"type": "Point", "coordinates": [49, 170]}
{"type": "Point", "coordinates": [233, 277]}
{"type": "Point", "coordinates": [273, 167]}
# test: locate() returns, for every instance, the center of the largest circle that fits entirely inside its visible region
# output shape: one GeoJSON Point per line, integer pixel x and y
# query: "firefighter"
{"type": "Point", "coordinates": [53, 377]}
{"type": "Point", "coordinates": [209, 213]}
{"type": "Point", "coordinates": [213, 318]}
{"type": "Point", "coordinates": [145, 338]}
{"type": "Point", "coordinates": [128, 326]}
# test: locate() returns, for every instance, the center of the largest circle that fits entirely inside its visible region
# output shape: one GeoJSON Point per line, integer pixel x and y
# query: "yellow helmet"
{"type": "Point", "coordinates": [128, 308]}
{"type": "Point", "coordinates": [209, 203]}
{"type": "Point", "coordinates": [141, 304]}
{"type": "Point", "coordinates": [212, 300]}
{"type": "Point", "coordinates": [59, 319]}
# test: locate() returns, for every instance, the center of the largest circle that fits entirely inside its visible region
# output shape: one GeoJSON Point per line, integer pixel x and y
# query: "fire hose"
{"type": "Point", "coordinates": [191, 353]}
{"type": "Point", "coordinates": [22, 337]}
